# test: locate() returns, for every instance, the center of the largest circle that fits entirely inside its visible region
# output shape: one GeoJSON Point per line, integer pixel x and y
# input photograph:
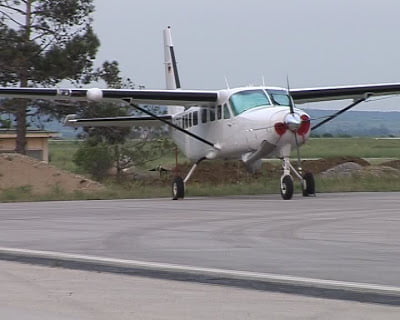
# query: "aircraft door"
{"type": "Point", "coordinates": [230, 130]}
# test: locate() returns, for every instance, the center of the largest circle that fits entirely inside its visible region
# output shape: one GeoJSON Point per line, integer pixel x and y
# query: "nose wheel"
{"type": "Point", "coordinates": [287, 187]}
{"type": "Point", "coordinates": [287, 184]}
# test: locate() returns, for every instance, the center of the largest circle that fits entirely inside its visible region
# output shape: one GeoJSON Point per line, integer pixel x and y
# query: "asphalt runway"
{"type": "Point", "coordinates": [346, 237]}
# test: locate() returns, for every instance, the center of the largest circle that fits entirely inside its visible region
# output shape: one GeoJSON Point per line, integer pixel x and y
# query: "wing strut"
{"type": "Point", "coordinates": [195, 136]}
{"type": "Point", "coordinates": [356, 102]}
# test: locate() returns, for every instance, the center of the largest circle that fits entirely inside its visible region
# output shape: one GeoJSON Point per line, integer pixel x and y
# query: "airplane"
{"type": "Point", "coordinates": [245, 123]}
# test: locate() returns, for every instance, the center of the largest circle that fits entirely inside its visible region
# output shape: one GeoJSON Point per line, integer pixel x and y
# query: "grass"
{"type": "Point", "coordinates": [62, 152]}
{"type": "Point", "coordinates": [356, 147]}
{"type": "Point", "coordinates": [139, 190]}
{"type": "Point", "coordinates": [353, 184]}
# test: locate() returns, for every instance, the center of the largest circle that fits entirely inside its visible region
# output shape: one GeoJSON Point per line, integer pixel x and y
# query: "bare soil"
{"type": "Point", "coordinates": [234, 171]}
{"type": "Point", "coordinates": [19, 171]}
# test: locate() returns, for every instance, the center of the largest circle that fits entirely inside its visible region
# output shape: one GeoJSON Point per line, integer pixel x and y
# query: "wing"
{"type": "Point", "coordinates": [343, 92]}
{"type": "Point", "coordinates": [154, 97]}
{"type": "Point", "coordinates": [126, 121]}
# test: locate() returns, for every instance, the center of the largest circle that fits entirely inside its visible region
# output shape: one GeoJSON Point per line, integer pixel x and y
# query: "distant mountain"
{"type": "Point", "coordinates": [358, 123]}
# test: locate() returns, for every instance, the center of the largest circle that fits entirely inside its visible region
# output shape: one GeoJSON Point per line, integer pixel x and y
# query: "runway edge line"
{"type": "Point", "coordinates": [332, 289]}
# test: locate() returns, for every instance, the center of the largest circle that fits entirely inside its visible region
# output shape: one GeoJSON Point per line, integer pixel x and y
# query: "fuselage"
{"type": "Point", "coordinates": [239, 123]}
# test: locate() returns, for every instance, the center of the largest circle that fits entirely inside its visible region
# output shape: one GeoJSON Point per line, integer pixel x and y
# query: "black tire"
{"type": "Point", "coordinates": [287, 187]}
{"type": "Point", "coordinates": [309, 188]}
{"type": "Point", "coordinates": [178, 188]}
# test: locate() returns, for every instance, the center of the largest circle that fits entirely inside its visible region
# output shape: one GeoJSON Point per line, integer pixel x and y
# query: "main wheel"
{"type": "Point", "coordinates": [178, 188]}
{"type": "Point", "coordinates": [287, 187]}
{"type": "Point", "coordinates": [309, 185]}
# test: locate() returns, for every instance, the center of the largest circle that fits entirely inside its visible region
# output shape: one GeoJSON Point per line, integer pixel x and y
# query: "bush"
{"type": "Point", "coordinates": [94, 159]}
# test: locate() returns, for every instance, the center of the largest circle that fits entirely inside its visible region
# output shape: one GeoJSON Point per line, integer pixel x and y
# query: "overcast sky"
{"type": "Point", "coordinates": [315, 42]}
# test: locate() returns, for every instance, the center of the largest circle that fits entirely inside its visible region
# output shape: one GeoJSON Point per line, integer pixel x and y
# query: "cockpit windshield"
{"type": "Point", "coordinates": [249, 99]}
{"type": "Point", "coordinates": [280, 97]}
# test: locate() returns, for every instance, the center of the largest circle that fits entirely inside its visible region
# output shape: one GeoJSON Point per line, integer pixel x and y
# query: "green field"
{"type": "Point", "coordinates": [61, 152]}
{"type": "Point", "coordinates": [355, 147]}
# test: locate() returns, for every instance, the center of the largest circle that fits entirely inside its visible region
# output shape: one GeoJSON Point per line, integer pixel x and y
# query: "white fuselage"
{"type": "Point", "coordinates": [236, 132]}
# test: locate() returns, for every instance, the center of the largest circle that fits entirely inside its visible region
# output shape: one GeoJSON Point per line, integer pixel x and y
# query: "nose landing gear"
{"type": "Point", "coordinates": [287, 184]}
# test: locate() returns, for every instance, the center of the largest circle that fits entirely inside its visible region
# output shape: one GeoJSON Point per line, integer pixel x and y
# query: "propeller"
{"type": "Point", "coordinates": [293, 122]}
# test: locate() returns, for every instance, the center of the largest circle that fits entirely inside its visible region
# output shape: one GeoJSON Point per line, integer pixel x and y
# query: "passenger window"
{"type": "Point", "coordinates": [190, 119]}
{"type": "Point", "coordinates": [195, 118]}
{"type": "Point", "coordinates": [186, 121]}
{"type": "Point", "coordinates": [204, 115]}
{"type": "Point", "coordinates": [219, 112]}
{"type": "Point", "coordinates": [227, 113]}
{"type": "Point", "coordinates": [212, 114]}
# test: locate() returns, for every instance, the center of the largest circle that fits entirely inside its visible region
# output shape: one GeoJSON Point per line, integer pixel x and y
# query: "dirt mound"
{"type": "Point", "coordinates": [19, 171]}
{"type": "Point", "coordinates": [393, 163]}
{"type": "Point", "coordinates": [381, 171]}
{"type": "Point", "coordinates": [346, 169]}
{"type": "Point", "coordinates": [321, 165]}
{"type": "Point", "coordinates": [222, 172]}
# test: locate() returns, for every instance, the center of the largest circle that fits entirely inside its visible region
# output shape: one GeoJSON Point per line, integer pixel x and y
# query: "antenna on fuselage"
{"type": "Point", "coordinates": [263, 80]}
{"type": "Point", "coordinates": [226, 82]}
{"type": "Point", "coordinates": [288, 89]}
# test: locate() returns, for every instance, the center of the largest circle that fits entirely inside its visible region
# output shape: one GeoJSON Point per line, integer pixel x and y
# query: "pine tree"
{"type": "Point", "coordinates": [43, 42]}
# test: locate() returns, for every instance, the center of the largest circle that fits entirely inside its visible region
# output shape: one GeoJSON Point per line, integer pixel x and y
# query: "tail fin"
{"type": "Point", "coordinates": [171, 71]}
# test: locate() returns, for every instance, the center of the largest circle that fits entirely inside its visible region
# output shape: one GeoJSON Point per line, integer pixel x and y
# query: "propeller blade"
{"type": "Point", "coordinates": [298, 152]}
{"type": "Point", "coordinates": [288, 89]}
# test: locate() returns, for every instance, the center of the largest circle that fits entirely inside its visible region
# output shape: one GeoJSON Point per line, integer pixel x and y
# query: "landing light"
{"type": "Point", "coordinates": [280, 128]}
{"type": "Point", "coordinates": [305, 125]}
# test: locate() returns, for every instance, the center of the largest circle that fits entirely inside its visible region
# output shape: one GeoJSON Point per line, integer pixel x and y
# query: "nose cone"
{"type": "Point", "coordinates": [293, 121]}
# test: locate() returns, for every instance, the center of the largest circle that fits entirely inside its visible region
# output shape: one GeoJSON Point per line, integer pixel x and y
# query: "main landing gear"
{"type": "Point", "coordinates": [287, 185]}
{"type": "Point", "coordinates": [178, 185]}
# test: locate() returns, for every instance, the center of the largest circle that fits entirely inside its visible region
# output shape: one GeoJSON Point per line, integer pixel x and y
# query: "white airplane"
{"type": "Point", "coordinates": [247, 123]}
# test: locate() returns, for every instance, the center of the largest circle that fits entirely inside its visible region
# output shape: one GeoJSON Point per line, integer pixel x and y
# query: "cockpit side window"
{"type": "Point", "coordinates": [227, 114]}
{"type": "Point", "coordinates": [280, 97]}
{"type": "Point", "coordinates": [245, 100]}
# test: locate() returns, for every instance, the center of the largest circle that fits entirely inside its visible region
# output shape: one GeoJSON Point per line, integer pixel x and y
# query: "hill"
{"type": "Point", "coordinates": [358, 123]}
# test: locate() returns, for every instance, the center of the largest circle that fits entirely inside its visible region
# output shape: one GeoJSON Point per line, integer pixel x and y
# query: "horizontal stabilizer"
{"type": "Point", "coordinates": [125, 121]}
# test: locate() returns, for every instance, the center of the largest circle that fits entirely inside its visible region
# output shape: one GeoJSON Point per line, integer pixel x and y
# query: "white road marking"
{"type": "Point", "coordinates": [209, 272]}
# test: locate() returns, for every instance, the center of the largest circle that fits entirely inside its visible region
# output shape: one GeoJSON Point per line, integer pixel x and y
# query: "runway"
{"type": "Point", "coordinates": [351, 237]}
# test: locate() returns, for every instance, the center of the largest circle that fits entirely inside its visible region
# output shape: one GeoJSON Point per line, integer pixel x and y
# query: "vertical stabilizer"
{"type": "Point", "coordinates": [171, 71]}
